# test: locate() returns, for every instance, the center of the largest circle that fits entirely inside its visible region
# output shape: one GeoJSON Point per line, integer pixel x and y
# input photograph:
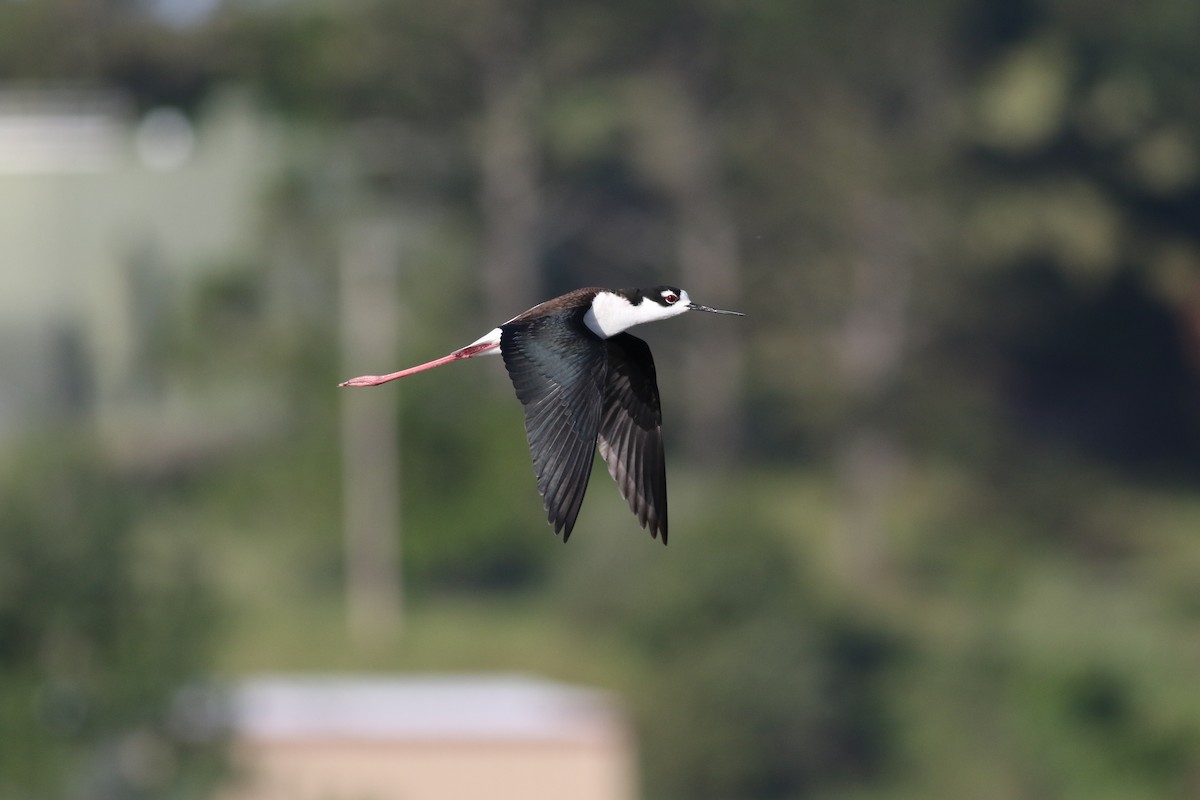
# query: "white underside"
{"type": "Point", "coordinates": [492, 337]}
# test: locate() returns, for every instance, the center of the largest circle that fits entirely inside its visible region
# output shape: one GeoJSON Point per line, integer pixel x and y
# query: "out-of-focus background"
{"type": "Point", "coordinates": [935, 526]}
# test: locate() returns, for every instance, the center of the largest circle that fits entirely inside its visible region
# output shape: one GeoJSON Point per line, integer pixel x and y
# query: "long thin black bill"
{"type": "Point", "coordinates": [698, 307]}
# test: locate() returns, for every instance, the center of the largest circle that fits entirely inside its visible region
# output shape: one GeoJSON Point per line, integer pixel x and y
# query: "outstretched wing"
{"type": "Point", "coordinates": [631, 431]}
{"type": "Point", "coordinates": [558, 368]}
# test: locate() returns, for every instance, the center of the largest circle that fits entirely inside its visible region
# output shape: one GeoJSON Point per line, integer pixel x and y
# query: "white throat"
{"type": "Point", "coordinates": [611, 313]}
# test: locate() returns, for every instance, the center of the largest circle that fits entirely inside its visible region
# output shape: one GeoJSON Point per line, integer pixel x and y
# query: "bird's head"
{"type": "Point", "coordinates": [676, 301]}
{"type": "Point", "coordinates": [613, 312]}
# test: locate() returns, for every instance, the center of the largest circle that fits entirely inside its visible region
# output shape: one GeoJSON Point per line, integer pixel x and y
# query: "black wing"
{"type": "Point", "coordinates": [631, 431]}
{"type": "Point", "coordinates": [558, 368]}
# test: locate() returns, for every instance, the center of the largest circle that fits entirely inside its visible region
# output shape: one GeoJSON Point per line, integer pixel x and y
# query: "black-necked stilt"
{"type": "Point", "coordinates": [585, 382]}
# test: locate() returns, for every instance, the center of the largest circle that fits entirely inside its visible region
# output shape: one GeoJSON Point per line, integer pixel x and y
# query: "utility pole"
{"type": "Point", "coordinates": [369, 317]}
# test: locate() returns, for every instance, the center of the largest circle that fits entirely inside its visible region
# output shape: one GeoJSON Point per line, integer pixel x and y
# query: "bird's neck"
{"type": "Point", "coordinates": [610, 314]}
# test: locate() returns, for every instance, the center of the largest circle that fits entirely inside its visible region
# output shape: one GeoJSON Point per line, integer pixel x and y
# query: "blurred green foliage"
{"type": "Point", "coordinates": [964, 569]}
{"type": "Point", "coordinates": [99, 627]}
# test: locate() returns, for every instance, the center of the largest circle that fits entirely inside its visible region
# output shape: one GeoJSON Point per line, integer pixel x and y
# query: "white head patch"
{"type": "Point", "coordinates": [611, 313]}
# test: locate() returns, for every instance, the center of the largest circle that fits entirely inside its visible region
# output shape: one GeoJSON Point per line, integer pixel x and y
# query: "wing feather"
{"type": "Point", "coordinates": [630, 434]}
{"type": "Point", "coordinates": [558, 371]}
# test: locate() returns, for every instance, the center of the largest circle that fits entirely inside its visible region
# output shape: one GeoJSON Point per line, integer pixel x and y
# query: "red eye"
{"type": "Point", "coordinates": [672, 298]}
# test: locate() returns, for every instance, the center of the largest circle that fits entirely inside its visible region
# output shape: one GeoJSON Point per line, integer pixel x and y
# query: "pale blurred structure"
{"type": "Point", "coordinates": [109, 221]}
{"type": "Point", "coordinates": [427, 738]}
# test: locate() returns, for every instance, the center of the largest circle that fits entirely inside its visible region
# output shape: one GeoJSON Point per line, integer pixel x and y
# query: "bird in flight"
{"type": "Point", "coordinates": [584, 382]}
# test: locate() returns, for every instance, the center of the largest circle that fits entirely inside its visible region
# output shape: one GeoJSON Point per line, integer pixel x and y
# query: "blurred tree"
{"type": "Point", "coordinates": [98, 631]}
{"type": "Point", "coordinates": [759, 688]}
{"type": "Point", "coordinates": [510, 150]}
{"type": "Point", "coordinates": [1084, 175]}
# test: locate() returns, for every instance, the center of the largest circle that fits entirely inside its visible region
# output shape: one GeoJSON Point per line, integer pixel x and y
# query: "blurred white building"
{"type": "Point", "coordinates": [427, 738]}
{"type": "Point", "coordinates": [107, 216]}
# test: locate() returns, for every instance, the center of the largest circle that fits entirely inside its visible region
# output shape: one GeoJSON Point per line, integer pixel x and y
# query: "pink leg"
{"type": "Point", "coordinates": [465, 352]}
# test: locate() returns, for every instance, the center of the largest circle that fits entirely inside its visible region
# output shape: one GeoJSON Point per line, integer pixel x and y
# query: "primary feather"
{"type": "Point", "coordinates": [579, 390]}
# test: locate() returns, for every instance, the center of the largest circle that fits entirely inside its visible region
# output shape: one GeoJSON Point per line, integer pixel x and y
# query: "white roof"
{"type": "Point", "coordinates": [66, 131]}
{"type": "Point", "coordinates": [421, 706]}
